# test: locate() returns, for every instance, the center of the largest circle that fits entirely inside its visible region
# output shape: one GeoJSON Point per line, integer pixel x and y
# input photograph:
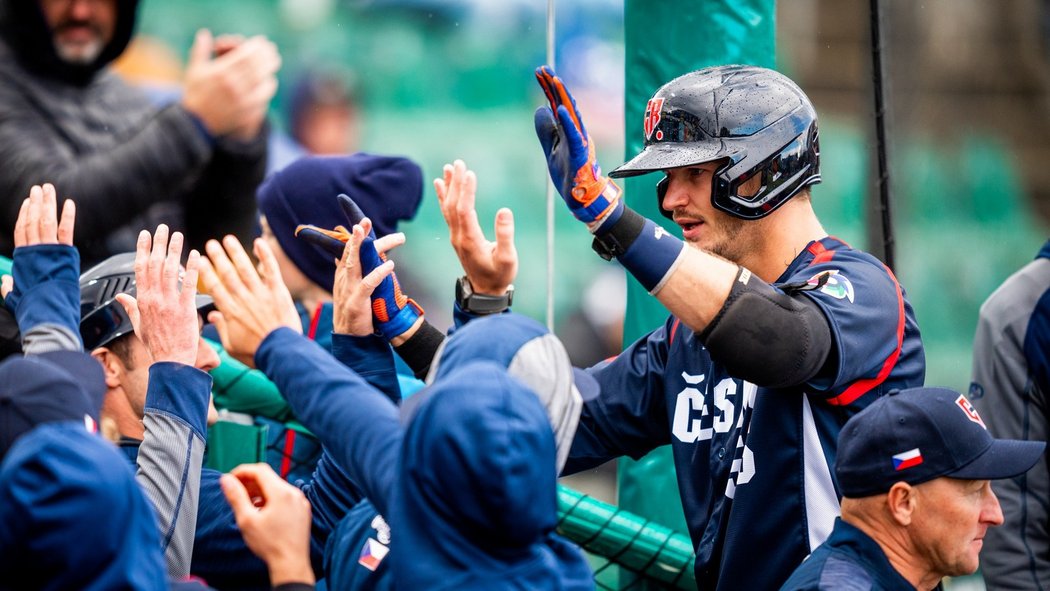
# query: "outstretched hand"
{"type": "Point", "coordinates": [164, 310]}
{"type": "Point", "coordinates": [274, 518]}
{"type": "Point", "coordinates": [39, 223]}
{"type": "Point", "coordinates": [252, 302]}
{"type": "Point", "coordinates": [394, 314]}
{"type": "Point", "coordinates": [490, 266]}
{"type": "Point", "coordinates": [571, 158]}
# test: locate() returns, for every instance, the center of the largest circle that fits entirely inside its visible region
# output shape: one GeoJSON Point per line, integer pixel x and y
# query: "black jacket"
{"type": "Point", "coordinates": [126, 163]}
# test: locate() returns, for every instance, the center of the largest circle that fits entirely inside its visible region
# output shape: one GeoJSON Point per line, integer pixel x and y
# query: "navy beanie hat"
{"type": "Point", "coordinates": [386, 188]}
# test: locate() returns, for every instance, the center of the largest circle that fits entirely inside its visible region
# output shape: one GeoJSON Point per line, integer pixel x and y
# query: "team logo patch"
{"type": "Point", "coordinates": [971, 412]}
{"type": "Point", "coordinates": [835, 285]}
{"type": "Point", "coordinates": [907, 459]}
{"type": "Point", "coordinates": [372, 553]}
{"type": "Point", "coordinates": [652, 117]}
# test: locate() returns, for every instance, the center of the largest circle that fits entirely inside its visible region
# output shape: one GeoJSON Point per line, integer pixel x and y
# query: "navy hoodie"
{"type": "Point", "coordinates": [475, 505]}
{"type": "Point", "coordinates": [72, 516]}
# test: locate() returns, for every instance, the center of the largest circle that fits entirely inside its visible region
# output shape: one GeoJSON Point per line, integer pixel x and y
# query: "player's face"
{"type": "Point", "coordinates": [294, 279]}
{"type": "Point", "coordinates": [80, 29]}
{"type": "Point", "coordinates": [950, 521]}
{"type": "Point", "coordinates": [688, 198]}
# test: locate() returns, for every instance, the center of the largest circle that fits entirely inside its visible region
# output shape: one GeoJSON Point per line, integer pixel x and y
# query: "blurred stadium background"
{"type": "Point", "coordinates": [435, 80]}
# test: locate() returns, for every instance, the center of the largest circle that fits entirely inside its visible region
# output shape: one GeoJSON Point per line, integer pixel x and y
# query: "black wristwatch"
{"type": "Point", "coordinates": [478, 303]}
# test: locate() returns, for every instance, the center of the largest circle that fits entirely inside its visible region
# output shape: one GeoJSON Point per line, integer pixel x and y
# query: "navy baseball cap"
{"type": "Point", "coordinates": [920, 434]}
{"type": "Point", "coordinates": [51, 387]}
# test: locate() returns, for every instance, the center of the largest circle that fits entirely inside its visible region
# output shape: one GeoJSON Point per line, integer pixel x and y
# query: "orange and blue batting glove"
{"type": "Point", "coordinates": [392, 311]}
{"type": "Point", "coordinates": [571, 159]}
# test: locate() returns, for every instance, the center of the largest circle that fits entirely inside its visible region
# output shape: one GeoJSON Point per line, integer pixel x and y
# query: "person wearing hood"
{"type": "Point", "coordinates": [510, 480]}
{"type": "Point", "coordinates": [65, 118]}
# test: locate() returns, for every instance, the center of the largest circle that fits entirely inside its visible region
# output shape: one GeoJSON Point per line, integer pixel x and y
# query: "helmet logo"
{"type": "Point", "coordinates": [652, 117]}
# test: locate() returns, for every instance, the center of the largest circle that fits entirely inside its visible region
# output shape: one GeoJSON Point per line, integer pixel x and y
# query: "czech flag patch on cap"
{"type": "Point", "coordinates": [372, 553]}
{"type": "Point", "coordinates": [907, 459]}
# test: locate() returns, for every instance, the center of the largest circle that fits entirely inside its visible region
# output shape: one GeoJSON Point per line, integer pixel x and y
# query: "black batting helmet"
{"type": "Point", "coordinates": [756, 119]}
{"type": "Point", "coordinates": [102, 318]}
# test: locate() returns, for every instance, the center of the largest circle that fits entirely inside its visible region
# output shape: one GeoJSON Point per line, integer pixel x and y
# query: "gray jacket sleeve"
{"type": "Point", "coordinates": [1017, 554]}
{"type": "Point", "coordinates": [171, 455]}
{"type": "Point", "coordinates": [112, 181]}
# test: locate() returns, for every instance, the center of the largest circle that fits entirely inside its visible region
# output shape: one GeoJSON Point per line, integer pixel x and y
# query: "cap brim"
{"type": "Point", "coordinates": [87, 372]}
{"type": "Point", "coordinates": [667, 155]}
{"type": "Point", "coordinates": [586, 384]}
{"type": "Point", "coordinates": [1005, 458]}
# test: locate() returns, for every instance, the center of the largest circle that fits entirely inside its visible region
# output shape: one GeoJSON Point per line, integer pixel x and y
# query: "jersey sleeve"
{"type": "Point", "coordinates": [629, 417]}
{"type": "Point", "coordinates": [865, 309]}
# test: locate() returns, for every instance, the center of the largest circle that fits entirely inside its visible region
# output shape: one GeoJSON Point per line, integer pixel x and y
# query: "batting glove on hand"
{"type": "Point", "coordinates": [570, 153]}
{"type": "Point", "coordinates": [392, 311]}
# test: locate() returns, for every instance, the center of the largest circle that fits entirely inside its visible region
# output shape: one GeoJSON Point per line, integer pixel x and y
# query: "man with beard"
{"type": "Point", "coordinates": [66, 119]}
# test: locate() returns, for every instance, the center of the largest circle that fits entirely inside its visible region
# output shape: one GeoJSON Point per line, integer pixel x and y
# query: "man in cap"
{"type": "Point", "coordinates": [915, 470]}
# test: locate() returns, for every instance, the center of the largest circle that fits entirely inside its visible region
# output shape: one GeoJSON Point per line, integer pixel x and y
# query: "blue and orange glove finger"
{"type": "Point", "coordinates": [571, 157]}
{"type": "Point", "coordinates": [558, 95]}
{"type": "Point", "coordinates": [331, 241]}
{"type": "Point", "coordinates": [353, 213]}
{"type": "Point", "coordinates": [392, 311]}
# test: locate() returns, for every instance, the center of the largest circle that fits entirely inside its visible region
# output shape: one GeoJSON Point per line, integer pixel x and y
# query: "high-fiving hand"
{"type": "Point", "coordinates": [490, 266]}
{"type": "Point", "coordinates": [164, 309]}
{"type": "Point", "coordinates": [363, 268]}
{"type": "Point", "coordinates": [570, 153]}
{"type": "Point", "coordinates": [252, 302]}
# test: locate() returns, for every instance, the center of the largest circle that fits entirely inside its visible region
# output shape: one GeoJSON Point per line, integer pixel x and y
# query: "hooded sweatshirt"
{"type": "Point", "coordinates": [128, 164]}
{"type": "Point", "coordinates": [475, 505]}
{"type": "Point", "coordinates": [73, 517]}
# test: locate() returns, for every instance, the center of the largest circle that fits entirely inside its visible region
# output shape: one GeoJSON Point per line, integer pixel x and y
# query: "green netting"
{"type": "Point", "coordinates": [656, 552]}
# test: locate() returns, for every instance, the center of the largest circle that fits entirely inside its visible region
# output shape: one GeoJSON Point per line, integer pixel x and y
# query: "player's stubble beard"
{"type": "Point", "coordinates": [730, 239]}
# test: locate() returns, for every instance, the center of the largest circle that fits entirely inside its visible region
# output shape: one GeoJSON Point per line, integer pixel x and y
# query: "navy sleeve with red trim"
{"type": "Point", "coordinates": [868, 316]}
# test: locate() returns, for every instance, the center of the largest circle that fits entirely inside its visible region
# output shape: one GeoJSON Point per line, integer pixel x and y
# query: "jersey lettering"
{"type": "Point", "coordinates": [686, 428]}
{"type": "Point", "coordinates": [743, 468]}
{"type": "Point", "coordinates": [723, 391]}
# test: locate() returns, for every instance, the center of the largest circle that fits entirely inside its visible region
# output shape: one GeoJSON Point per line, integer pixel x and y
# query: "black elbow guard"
{"type": "Point", "coordinates": [767, 337]}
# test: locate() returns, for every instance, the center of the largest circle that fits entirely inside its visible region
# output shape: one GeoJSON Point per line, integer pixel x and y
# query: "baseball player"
{"type": "Point", "coordinates": [778, 332]}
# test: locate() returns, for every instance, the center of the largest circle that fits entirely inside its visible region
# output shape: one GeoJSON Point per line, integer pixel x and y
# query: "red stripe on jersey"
{"type": "Point", "coordinates": [314, 322]}
{"type": "Point", "coordinates": [289, 447]}
{"type": "Point", "coordinates": [674, 329]}
{"type": "Point", "coordinates": [862, 387]}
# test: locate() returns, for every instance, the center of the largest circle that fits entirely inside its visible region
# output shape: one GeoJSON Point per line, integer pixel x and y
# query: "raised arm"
{"type": "Point", "coordinates": [164, 317]}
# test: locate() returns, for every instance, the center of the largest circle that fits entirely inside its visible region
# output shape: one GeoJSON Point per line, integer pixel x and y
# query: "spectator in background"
{"type": "Point", "coordinates": [1011, 383]}
{"type": "Point", "coordinates": [322, 114]}
{"type": "Point", "coordinates": [193, 164]}
{"type": "Point", "coordinates": [915, 470]}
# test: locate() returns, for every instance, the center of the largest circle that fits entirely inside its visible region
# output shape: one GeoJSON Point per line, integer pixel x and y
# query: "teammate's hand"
{"type": "Point", "coordinates": [490, 266]}
{"type": "Point", "coordinates": [570, 153]}
{"type": "Point", "coordinates": [353, 286]}
{"type": "Point", "coordinates": [274, 518]}
{"type": "Point", "coordinates": [163, 314]}
{"type": "Point", "coordinates": [252, 302]}
{"type": "Point", "coordinates": [392, 311]}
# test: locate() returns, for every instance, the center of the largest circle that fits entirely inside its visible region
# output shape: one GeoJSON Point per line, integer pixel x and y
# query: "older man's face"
{"type": "Point", "coordinates": [950, 521]}
{"type": "Point", "coordinates": [80, 29]}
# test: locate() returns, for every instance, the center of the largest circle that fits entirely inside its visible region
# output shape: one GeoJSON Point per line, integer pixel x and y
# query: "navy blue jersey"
{"type": "Point", "coordinates": [754, 463]}
{"type": "Point", "coordinates": [848, 561]}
